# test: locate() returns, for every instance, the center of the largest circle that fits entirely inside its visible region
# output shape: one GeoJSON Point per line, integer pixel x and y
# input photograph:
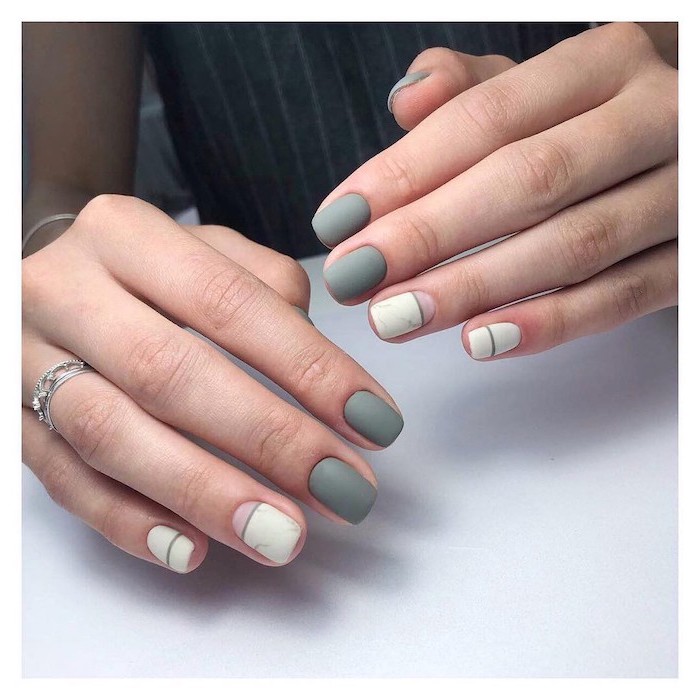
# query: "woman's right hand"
{"type": "Point", "coordinates": [115, 290]}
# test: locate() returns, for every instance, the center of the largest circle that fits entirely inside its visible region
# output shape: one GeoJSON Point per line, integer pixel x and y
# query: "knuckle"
{"type": "Point", "coordinates": [424, 244]}
{"type": "Point", "coordinates": [227, 292]}
{"type": "Point", "coordinates": [493, 107]}
{"type": "Point", "coordinates": [160, 368]}
{"type": "Point", "coordinates": [94, 422]}
{"type": "Point", "coordinates": [192, 485]}
{"type": "Point", "coordinates": [401, 174]}
{"type": "Point", "coordinates": [105, 207]}
{"type": "Point", "coordinates": [542, 168]}
{"type": "Point", "coordinates": [630, 294]}
{"type": "Point", "coordinates": [587, 244]}
{"type": "Point", "coordinates": [293, 282]}
{"type": "Point", "coordinates": [629, 35]}
{"type": "Point", "coordinates": [272, 437]}
{"type": "Point", "coordinates": [314, 365]}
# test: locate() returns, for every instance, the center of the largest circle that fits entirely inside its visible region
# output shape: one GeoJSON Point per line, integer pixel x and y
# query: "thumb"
{"type": "Point", "coordinates": [435, 77]}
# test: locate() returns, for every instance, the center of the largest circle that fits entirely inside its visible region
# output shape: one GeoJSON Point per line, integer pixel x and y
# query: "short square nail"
{"type": "Point", "coordinates": [493, 339]}
{"type": "Point", "coordinates": [410, 79]}
{"type": "Point", "coordinates": [341, 219]}
{"type": "Point", "coordinates": [373, 418]}
{"type": "Point", "coordinates": [171, 547]}
{"type": "Point", "coordinates": [342, 489]}
{"type": "Point", "coordinates": [402, 313]}
{"type": "Point", "coordinates": [355, 273]}
{"type": "Point", "coordinates": [267, 530]}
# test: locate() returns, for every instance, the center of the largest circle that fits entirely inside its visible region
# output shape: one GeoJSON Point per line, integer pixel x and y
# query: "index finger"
{"type": "Point", "coordinates": [546, 90]}
{"type": "Point", "coordinates": [210, 293]}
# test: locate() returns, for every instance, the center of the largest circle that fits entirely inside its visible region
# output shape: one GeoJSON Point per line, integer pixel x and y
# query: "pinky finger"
{"type": "Point", "coordinates": [123, 516]}
{"type": "Point", "coordinates": [632, 288]}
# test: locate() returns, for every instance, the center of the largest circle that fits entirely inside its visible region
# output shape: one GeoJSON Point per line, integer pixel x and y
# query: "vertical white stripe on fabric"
{"type": "Point", "coordinates": [234, 129]}
{"type": "Point", "coordinates": [344, 92]}
{"type": "Point", "coordinates": [291, 131]}
{"type": "Point", "coordinates": [398, 71]}
{"type": "Point", "coordinates": [263, 129]}
{"type": "Point", "coordinates": [317, 110]}
{"type": "Point", "coordinates": [365, 78]}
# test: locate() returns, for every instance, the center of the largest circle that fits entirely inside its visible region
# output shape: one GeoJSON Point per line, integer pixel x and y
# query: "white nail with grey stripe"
{"type": "Point", "coordinates": [397, 315]}
{"type": "Point", "coordinates": [271, 532]}
{"type": "Point", "coordinates": [493, 339]}
{"type": "Point", "coordinates": [171, 547]}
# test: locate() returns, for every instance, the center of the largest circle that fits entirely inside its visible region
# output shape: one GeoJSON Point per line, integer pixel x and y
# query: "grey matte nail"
{"type": "Point", "coordinates": [341, 219]}
{"type": "Point", "coordinates": [338, 486]}
{"type": "Point", "coordinates": [410, 79]}
{"type": "Point", "coordinates": [355, 273]}
{"type": "Point", "coordinates": [303, 314]}
{"type": "Point", "coordinates": [373, 418]}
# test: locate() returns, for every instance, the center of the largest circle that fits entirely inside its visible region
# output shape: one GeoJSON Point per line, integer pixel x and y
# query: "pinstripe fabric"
{"type": "Point", "coordinates": [267, 118]}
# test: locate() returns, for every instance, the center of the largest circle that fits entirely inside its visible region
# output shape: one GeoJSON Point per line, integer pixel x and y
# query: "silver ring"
{"type": "Point", "coordinates": [49, 382]}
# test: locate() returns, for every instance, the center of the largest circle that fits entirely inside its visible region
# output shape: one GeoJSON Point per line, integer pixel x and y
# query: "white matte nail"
{"type": "Point", "coordinates": [493, 339]}
{"type": "Point", "coordinates": [397, 315]}
{"type": "Point", "coordinates": [267, 530]}
{"type": "Point", "coordinates": [171, 547]}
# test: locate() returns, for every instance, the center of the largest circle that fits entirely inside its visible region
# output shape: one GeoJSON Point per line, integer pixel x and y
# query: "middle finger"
{"type": "Point", "coordinates": [516, 187]}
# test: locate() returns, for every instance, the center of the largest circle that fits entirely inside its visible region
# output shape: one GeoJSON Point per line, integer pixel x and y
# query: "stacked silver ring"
{"type": "Point", "coordinates": [50, 381]}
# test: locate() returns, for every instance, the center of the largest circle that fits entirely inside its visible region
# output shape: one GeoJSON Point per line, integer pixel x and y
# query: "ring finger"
{"type": "Point", "coordinates": [113, 434]}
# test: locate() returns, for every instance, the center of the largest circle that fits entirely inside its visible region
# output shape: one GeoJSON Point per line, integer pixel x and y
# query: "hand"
{"type": "Point", "coordinates": [574, 150]}
{"type": "Point", "coordinates": [112, 290]}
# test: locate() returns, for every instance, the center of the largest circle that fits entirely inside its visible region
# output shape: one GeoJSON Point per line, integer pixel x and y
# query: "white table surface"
{"type": "Point", "coordinates": [525, 526]}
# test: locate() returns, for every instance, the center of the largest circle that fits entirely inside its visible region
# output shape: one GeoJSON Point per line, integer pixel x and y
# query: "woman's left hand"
{"type": "Point", "coordinates": [575, 150]}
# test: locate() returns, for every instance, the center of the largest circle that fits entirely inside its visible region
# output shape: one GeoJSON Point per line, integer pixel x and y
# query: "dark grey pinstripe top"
{"type": "Point", "coordinates": [267, 118]}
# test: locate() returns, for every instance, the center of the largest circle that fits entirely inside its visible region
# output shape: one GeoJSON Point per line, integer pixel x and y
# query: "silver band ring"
{"type": "Point", "coordinates": [49, 382]}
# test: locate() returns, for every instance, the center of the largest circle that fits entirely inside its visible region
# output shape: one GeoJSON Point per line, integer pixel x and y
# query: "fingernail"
{"type": "Point", "coordinates": [341, 219]}
{"type": "Point", "coordinates": [267, 530]}
{"type": "Point", "coordinates": [493, 339]}
{"type": "Point", "coordinates": [303, 314]}
{"type": "Point", "coordinates": [402, 313]}
{"type": "Point", "coordinates": [171, 547]}
{"type": "Point", "coordinates": [355, 273]}
{"type": "Point", "coordinates": [339, 487]}
{"type": "Point", "coordinates": [410, 79]}
{"type": "Point", "coordinates": [373, 418]}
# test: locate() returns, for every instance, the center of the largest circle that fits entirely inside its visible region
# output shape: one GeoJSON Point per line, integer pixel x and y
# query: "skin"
{"type": "Point", "coordinates": [575, 150]}
{"type": "Point", "coordinates": [117, 286]}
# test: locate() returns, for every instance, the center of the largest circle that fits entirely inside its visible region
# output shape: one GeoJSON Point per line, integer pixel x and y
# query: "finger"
{"type": "Point", "coordinates": [571, 246]}
{"type": "Point", "coordinates": [548, 89]}
{"type": "Point", "coordinates": [281, 272]}
{"type": "Point", "coordinates": [635, 287]}
{"type": "Point", "coordinates": [126, 518]}
{"type": "Point", "coordinates": [518, 186]}
{"type": "Point", "coordinates": [112, 434]}
{"type": "Point", "coordinates": [221, 300]}
{"type": "Point", "coordinates": [185, 382]}
{"type": "Point", "coordinates": [435, 77]}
